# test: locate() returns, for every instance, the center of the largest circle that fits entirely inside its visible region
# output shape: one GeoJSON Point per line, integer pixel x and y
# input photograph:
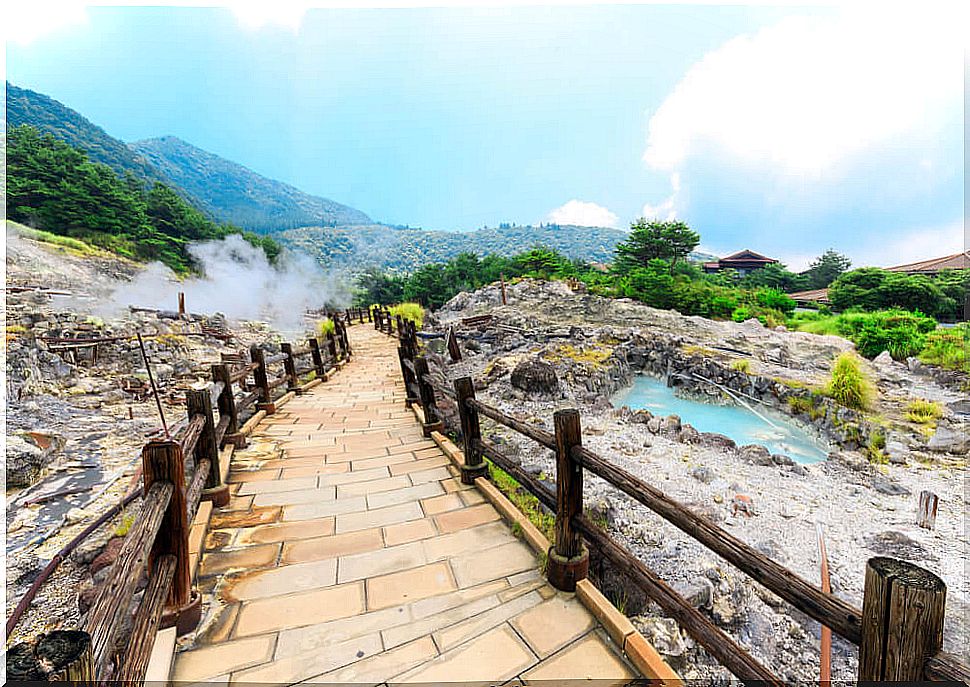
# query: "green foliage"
{"type": "Point", "coordinates": [325, 326]}
{"type": "Point", "coordinates": [741, 313]}
{"type": "Point", "coordinates": [923, 411]}
{"type": "Point", "coordinates": [871, 288]}
{"type": "Point", "coordinates": [409, 311]}
{"type": "Point", "coordinates": [527, 503]}
{"type": "Point", "coordinates": [121, 529]}
{"type": "Point", "coordinates": [948, 348]}
{"type": "Point", "coordinates": [743, 365]}
{"type": "Point", "coordinates": [824, 270]}
{"type": "Point", "coordinates": [775, 276]}
{"type": "Point", "coordinates": [900, 332]}
{"type": "Point", "coordinates": [875, 447]}
{"type": "Point", "coordinates": [54, 187]}
{"type": "Point", "coordinates": [74, 245]}
{"type": "Point", "coordinates": [849, 385]}
{"type": "Point", "coordinates": [655, 240]}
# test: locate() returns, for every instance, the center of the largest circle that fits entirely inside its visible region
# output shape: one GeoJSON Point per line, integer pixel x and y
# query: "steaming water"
{"type": "Point", "coordinates": [730, 420]}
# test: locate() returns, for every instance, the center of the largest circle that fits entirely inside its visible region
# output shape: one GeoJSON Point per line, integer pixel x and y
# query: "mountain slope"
{"type": "Point", "coordinates": [403, 250]}
{"type": "Point", "coordinates": [237, 194]}
{"type": "Point", "coordinates": [48, 115]}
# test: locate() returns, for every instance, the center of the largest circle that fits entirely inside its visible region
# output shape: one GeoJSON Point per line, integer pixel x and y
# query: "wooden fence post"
{"type": "Point", "coordinates": [454, 352]}
{"type": "Point", "coordinates": [374, 314]}
{"type": "Point", "coordinates": [163, 460]}
{"type": "Point", "coordinates": [332, 348]}
{"type": "Point", "coordinates": [262, 381]}
{"type": "Point", "coordinates": [181, 304]}
{"type": "Point", "coordinates": [198, 402]}
{"type": "Point", "coordinates": [504, 298]}
{"type": "Point", "coordinates": [902, 620]}
{"type": "Point", "coordinates": [317, 359]}
{"type": "Point", "coordinates": [289, 366]}
{"type": "Point", "coordinates": [409, 381]}
{"type": "Point", "coordinates": [432, 422]}
{"type": "Point", "coordinates": [360, 315]}
{"type": "Point", "coordinates": [64, 656]}
{"type": "Point", "coordinates": [227, 406]}
{"type": "Point", "coordinates": [926, 515]}
{"type": "Point", "coordinates": [568, 561]}
{"type": "Point", "coordinates": [471, 432]}
{"type": "Point", "coordinates": [345, 339]}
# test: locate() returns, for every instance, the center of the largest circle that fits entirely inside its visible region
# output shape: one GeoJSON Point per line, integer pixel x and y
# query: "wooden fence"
{"type": "Point", "coordinates": [158, 542]}
{"type": "Point", "coordinates": [899, 629]}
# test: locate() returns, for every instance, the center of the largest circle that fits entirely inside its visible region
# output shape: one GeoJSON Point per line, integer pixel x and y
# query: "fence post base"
{"type": "Point", "coordinates": [563, 573]}
{"type": "Point", "coordinates": [237, 439]}
{"type": "Point", "coordinates": [270, 408]}
{"type": "Point", "coordinates": [469, 473]}
{"type": "Point", "coordinates": [218, 495]}
{"type": "Point", "coordinates": [184, 619]}
{"type": "Point", "coordinates": [432, 427]}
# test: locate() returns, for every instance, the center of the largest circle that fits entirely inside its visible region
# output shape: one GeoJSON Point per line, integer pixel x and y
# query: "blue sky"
{"type": "Point", "coordinates": [783, 129]}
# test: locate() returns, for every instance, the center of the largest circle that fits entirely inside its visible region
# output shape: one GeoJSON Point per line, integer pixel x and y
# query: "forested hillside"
{"type": "Point", "coordinates": [56, 188]}
{"type": "Point", "coordinates": [238, 195]}
{"type": "Point", "coordinates": [404, 250]}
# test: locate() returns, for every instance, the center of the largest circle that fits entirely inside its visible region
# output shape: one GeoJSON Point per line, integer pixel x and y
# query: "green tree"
{"type": "Point", "coordinates": [825, 269]}
{"type": "Point", "coordinates": [655, 240]}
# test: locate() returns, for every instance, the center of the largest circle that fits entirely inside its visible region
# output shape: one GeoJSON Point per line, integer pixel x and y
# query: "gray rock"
{"type": "Point", "coordinates": [755, 454]}
{"type": "Point", "coordinates": [671, 423]}
{"type": "Point", "coordinates": [699, 592]}
{"type": "Point", "coordinates": [883, 359]}
{"type": "Point", "coordinates": [898, 452]}
{"type": "Point", "coordinates": [892, 543]}
{"type": "Point", "coordinates": [950, 440]}
{"type": "Point", "coordinates": [781, 459]}
{"type": "Point", "coordinates": [884, 485]}
{"type": "Point", "coordinates": [717, 440]}
{"type": "Point", "coordinates": [654, 424]}
{"type": "Point", "coordinates": [535, 376]}
{"type": "Point", "coordinates": [703, 474]}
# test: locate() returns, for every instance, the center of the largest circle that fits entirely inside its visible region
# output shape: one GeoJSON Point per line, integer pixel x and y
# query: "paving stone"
{"type": "Point", "coordinates": [212, 661]}
{"type": "Point", "coordinates": [248, 558]}
{"type": "Point", "coordinates": [405, 532]}
{"type": "Point", "coordinates": [552, 624]}
{"type": "Point", "coordinates": [290, 498]}
{"type": "Point", "coordinates": [282, 580]}
{"type": "Point", "coordinates": [332, 546]}
{"type": "Point", "coordinates": [272, 487]}
{"type": "Point", "coordinates": [418, 465]}
{"type": "Point", "coordinates": [468, 517]}
{"type": "Point", "coordinates": [501, 561]}
{"type": "Point", "coordinates": [312, 511]}
{"type": "Point", "coordinates": [384, 666]}
{"type": "Point", "coordinates": [353, 476]}
{"type": "Point", "coordinates": [438, 604]}
{"type": "Point", "coordinates": [318, 636]}
{"type": "Point", "coordinates": [432, 475]}
{"type": "Point", "coordinates": [287, 531]}
{"type": "Point", "coordinates": [382, 461]}
{"type": "Point", "coordinates": [390, 498]}
{"type": "Point", "coordinates": [441, 504]}
{"type": "Point", "coordinates": [496, 656]}
{"type": "Point", "coordinates": [466, 541]}
{"type": "Point", "coordinates": [293, 669]}
{"type": "Point", "coordinates": [248, 518]}
{"type": "Point", "coordinates": [396, 636]}
{"type": "Point", "coordinates": [379, 518]}
{"type": "Point", "coordinates": [410, 585]}
{"type": "Point", "coordinates": [380, 562]}
{"type": "Point", "coordinates": [372, 486]}
{"type": "Point", "coordinates": [590, 658]}
{"type": "Point", "coordinates": [483, 622]}
{"type": "Point", "coordinates": [472, 497]}
{"type": "Point", "coordinates": [303, 608]}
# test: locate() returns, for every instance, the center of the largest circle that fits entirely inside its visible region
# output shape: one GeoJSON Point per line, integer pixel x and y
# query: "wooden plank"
{"type": "Point", "coordinates": [139, 648]}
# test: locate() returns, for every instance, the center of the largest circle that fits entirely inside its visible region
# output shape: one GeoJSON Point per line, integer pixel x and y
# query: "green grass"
{"type": "Point", "coordinates": [72, 244]}
{"type": "Point", "coordinates": [524, 501]}
{"type": "Point", "coordinates": [948, 348]}
{"type": "Point", "coordinates": [127, 520]}
{"type": "Point", "coordinates": [325, 326]}
{"type": "Point", "coordinates": [743, 365]}
{"type": "Point", "coordinates": [923, 412]}
{"type": "Point", "coordinates": [849, 386]}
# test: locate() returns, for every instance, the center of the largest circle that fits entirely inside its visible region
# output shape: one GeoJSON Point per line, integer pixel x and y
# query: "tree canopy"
{"type": "Point", "coordinates": [655, 240]}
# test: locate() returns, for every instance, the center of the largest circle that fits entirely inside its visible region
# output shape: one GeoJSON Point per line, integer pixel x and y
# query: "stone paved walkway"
{"type": "Point", "coordinates": [351, 553]}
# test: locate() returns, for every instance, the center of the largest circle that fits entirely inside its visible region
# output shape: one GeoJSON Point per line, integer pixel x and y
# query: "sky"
{"type": "Point", "coordinates": [784, 129]}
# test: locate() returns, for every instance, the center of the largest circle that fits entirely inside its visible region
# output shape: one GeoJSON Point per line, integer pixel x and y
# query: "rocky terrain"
{"type": "Point", "coordinates": [551, 348]}
{"type": "Point", "coordinates": [78, 414]}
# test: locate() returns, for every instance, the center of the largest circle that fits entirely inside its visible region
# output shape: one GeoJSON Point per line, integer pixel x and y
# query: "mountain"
{"type": "Point", "coordinates": [403, 250]}
{"type": "Point", "coordinates": [46, 114]}
{"type": "Point", "coordinates": [237, 194]}
{"type": "Point", "coordinates": [223, 190]}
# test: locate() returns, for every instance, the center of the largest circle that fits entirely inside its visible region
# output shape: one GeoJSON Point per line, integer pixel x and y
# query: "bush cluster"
{"type": "Point", "coordinates": [849, 385]}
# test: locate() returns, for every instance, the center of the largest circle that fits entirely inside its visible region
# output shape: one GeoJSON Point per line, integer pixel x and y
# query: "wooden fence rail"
{"type": "Point", "coordinates": [157, 544]}
{"type": "Point", "coordinates": [899, 630]}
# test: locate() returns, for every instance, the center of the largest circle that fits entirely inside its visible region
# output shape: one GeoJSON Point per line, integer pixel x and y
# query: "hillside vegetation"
{"type": "Point", "coordinates": [56, 188]}
{"type": "Point", "coordinates": [238, 195]}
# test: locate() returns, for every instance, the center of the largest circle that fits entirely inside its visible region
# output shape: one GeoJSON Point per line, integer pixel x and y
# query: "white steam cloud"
{"type": "Point", "coordinates": [239, 282]}
{"type": "Point", "coordinates": [583, 214]}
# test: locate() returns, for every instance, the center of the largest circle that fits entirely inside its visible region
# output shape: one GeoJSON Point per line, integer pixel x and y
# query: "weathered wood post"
{"type": "Point", "coordinates": [198, 402]}
{"type": "Point", "coordinates": [926, 515]}
{"type": "Point", "coordinates": [346, 339]}
{"type": "Point", "coordinates": [400, 326]}
{"type": "Point", "coordinates": [432, 421]}
{"type": "Point", "coordinates": [227, 405]}
{"type": "Point", "coordinates": [262, 381]}
{"type": "Point", "coordinates": [339, 341]}
{"type": "Point", "coordinates": [902, 620]}
{"type": "Point", "coordinates": [568, 560]}
{"type": "Point", "coordinates": [471, 431]}
{"type": "Point", "coordinates": [369, 314]}
{"type": "Point", "coordinates": [318, 365]}
{"type": "Point", "coordinates": [332, 348]}
{"type": "Point", "coordinates": [454, 352]}
{"type": "Point", "coordinates": [58, 656]}
{"type": "Point", "coordinates": [374, 313]}
{"type": "Point", "coordinates": [163, 461]}
{"type": "Point", "coordinates": [504, 298]}
{"type": "Point", "coordinates": [360, 315]}
{"type": "Point", "coordinates": [181, 304]}
{"type": "Point", "coordinates": [289, 367]}
{"type": "Point", "coordinates": [409, 382]}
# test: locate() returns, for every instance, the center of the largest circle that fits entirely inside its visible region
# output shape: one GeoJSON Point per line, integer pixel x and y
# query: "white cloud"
{"type": "Point", "coordinates": [806, 94]}
{"type": "Point", "coordinates": [912, 245]}
{"type": "Point", "coordinates": [25, 22]}
{"type": "Point", "coordinates": [583, 214]}
{"type": "Point", "coordinates": [255, 14]}
{"type": "Point", "coordinates": [666, 209]}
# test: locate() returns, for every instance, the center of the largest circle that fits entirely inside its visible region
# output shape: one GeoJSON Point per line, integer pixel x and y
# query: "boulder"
{"type": "Point", "coordinates": [755, 454]}
{"type": "Point", "coordinates": [535, 376]}
{"type": "Point", "coordinates": [883, 359]}
{"type": "Point", "coordinates": [781, 459]}
{"type": "Point", "coordinates": [703, 474]}
{"type": "Point", "coordinates": [717, 440]}
{"type": "Point", "coordinates": [950, 440]}
{"type": "Point", "coordinates": [884, 485]}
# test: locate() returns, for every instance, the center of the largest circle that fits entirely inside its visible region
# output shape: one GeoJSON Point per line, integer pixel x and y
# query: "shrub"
{"type": "Point", "coordinates": [409, 311]}
{"type": "Point", "coordinates": [743, 365]}
{"type": "Point", "coordinates": [775, 300]}
{"type": "Point", "coordinates": [876, 447]}
{"type": "Point", "coordinates": [901, 342]}
{"type": "Point", "coordinates": [849, 385]}
{"type": "Point", "coordinates": [924, 412]}
{"type": "Point", "coordinates": [741, 313]}
{"type": "Point", "coordinates": [325, 326]}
